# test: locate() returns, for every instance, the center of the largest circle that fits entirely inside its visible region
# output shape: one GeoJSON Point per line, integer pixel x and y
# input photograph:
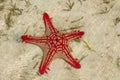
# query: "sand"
{"type": "Point", "coordinates": [99, 19]}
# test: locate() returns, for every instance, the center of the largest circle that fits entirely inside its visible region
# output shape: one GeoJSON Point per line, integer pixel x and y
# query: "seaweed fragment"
{"type": "Point", "coordinates": [118, 35]}
{"type": "Point", "coordinates": [1, 7]}
{"type": "Point", "coordinates": [106, 1]}
{"type": "Point", "coordinates": [2, 4]}
{"type": "Point", "coordinates": [27, 3]}
{"type": "Point", "coordinates": [116, 20]}
{"type": "Point", "coordinates": [26, 30]}
{"type": "Point", "coordinates": [118, 62]}
{"type": "Point", "coordinates": [14, 10]}
{"type": "Point", "coordinates": [82, 58]}
{"type": "Point", "coordinates": [75, 27]}
{"type": "Point", "coordinates": [81, 1]}
{"type": "Point", "coordinates": [35, 65]}
{"type": "Point", "coordinates": [68, 68]}
{"type": "Point", "coordinates": [77, 40]}
{"type": "Point", "coordinates": [69, 6]}
{"type": "Point", "coordinates": [34, 57]}
{"type": "Point", "coordinates": [72, 28]}
{"type": "Point", "coordinates": [9, 20]}
{"type": "Point", "coordinates": [87, 44]}
{"type": "Point", "coordinates": [107, 8]}
{"type": "Point", "coordinates": [2, 1]}
{"type": "Point", "coordinates": [70, 49]}
{"type": "Point", "coordinates": [104, 10]}
{"type": "Point", "coordinates": [77, 20]}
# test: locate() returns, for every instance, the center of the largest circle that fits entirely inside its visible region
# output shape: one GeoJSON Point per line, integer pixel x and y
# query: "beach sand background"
{"type": "Point", "coordinates": [99, 49]}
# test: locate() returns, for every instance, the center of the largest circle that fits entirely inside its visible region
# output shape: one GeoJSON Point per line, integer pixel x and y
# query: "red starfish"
{"type": "Point", "coordinates": [57, 44]}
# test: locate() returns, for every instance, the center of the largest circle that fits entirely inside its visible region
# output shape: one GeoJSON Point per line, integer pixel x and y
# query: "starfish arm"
{"type": "Point", "coordinates": [34, 40]}
{"type": "Point", "coordinates": [69, 58]}
{"type": "Point", "coordinates": [47, 58]}
{"type": "Point", "coordinates": [48, 24]}
{"type": "Point", "coordinates": [74, 35]}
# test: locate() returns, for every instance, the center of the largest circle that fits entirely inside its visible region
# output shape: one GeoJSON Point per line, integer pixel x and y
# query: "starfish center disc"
{"type": "Point", "coordinates": [55, 40]}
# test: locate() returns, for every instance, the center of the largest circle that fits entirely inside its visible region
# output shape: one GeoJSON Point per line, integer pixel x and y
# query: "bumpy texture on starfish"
{"type": "Point", "coordinates": [54, 45]}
